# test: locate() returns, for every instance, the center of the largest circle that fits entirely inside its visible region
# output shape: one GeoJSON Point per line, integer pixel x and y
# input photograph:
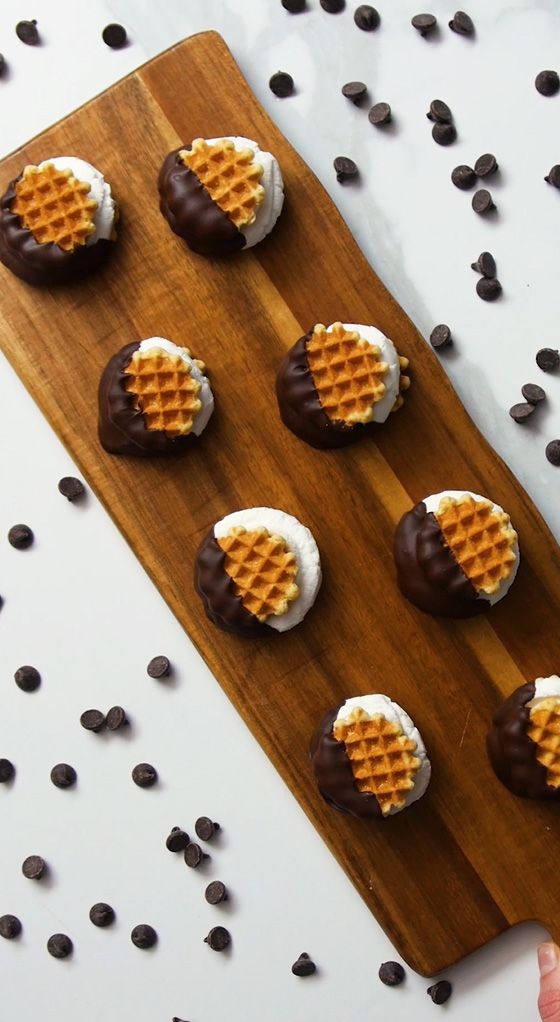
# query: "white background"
{"type": "Point", "coordinates": [79, 607]}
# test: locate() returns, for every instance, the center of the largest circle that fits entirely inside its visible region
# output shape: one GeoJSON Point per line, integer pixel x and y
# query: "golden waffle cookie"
{"type": "Point", "coordinates": [263, 569]}
{"type": "Point", "coordinates": [481, 539]}
{"type": "Point", "coordinates": [55, 206]}
{"type": "Point", "coordinates": [347, 372]}
{"type": "Point", "coordinates": [230, 176]}
{"type": "Point", "coordinates": [544, 730]}
{"type": "Point", "coordinates": [381, 757]}
{"type": "Point", "coordinates": [166, 392]}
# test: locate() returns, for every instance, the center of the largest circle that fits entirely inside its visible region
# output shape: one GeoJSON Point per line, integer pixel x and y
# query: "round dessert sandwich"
{"type": "Point", "coordinates": [154, 398]}
{"type": "Point", "coordinates": [456, 554]}
{"type": "Point", "coordinates": [368, 758]}
{"type": "Point", "coordinates": [57, 221]}
{"type": "Point", "coordinates": [338, 382]}
{"type": "Point", "coordinates": [221, 194]}
{"type": "Point", "coordinates": [258, 571]}
{"type": "Point", "coordinates": [524, 741]}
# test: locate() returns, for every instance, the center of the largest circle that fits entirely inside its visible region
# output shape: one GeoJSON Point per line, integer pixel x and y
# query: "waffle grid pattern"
{"type": "Point", "coordinates": [263, 569]}
{"type": "Point", "coordinates": [347, 372]}
{"type": "Point", "coordinates": [166, 392]}
{"type": "Point", "coordinates": [381, 757]}
{"type": "Point", "coordinates": [230, 176]}
{"type": "Point", "coordinates": [544, 730]}
{"type": "Point", "coordinates": [481, 540]}
{"type": "Point", "coordinates": [54, 206]}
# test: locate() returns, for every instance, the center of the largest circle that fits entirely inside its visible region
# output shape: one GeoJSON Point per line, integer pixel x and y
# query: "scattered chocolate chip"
{"type": "Point", "coordinates": [380, 113]}
{"type": "Point", "coordinates": [366, 18]}
{"type": "Point", "coordinates": [553, 452]}
{"type": "Point", "coordinates": [116, 718]}
{"type": "Point", "coordinates": [159, 667]}
{"type": "Point", "coordinates": [3, 64]}
{"type": "Point", "coordinates": [27, 32]}
{"type": "Point", "coordinates": [440, 992]}
{"type": "Point", "coordinates": [486, 165]}
{"type": "Point", "coordinates": [439, 111]}
{"type": "Point", "coordinates": [488, 288]}
{"type": "Point", "coordinates": [219, 938]}
{"type": "Point", "coordinates": [281, 84]}
{"type": "Point", "coordinates": [114, 36]}
{"type": "Point", "coordinates": [71, 488]}
{"type": "Point", "coordinates": [177, 840]}
{"type": "Point", "coordinates": [194, 855]}
{"type": "Point", "coordinates": [521, 411]}
{"type": "Point", "coordinates": [63, 775]}
{"type": "Point", "coordinates": [547, 83]}
{"type": "Point", "coordinates": [10, 927]}
{"type": "Point", "coordinates": [92, 720]}
{"type": "Point", "coordinates": [424, 23]}
{"type": "Point", "coordinates": [533, 393]}
{"type": "Point", "coordinates": [553, 176]}
{"type": "Point", "coordinates": [482, 201]}
{"type": "Point", "coordinates": [60, 945]}
{"type": "Point", "coordinates": [333, 6]}
{"type": "Point", "coordinates": [20, 537]}
{"type": "Point", "coordinates": [7, 771]}
{"type": "Point", "coordinates": [345, 169]}
{"type": "Point", "coordinates": [206, 828]}
{"type": "Point", "coordinates": [391, 974]}
{"type": "Point", "coordinates": [215, 892]}
{"type": "Point", "coordinates": [293, 6]}
{"type": "Point", "coordinates": [548, 359]}
{"type": "Point", "coordinates": [354, 91]}
{"type": "Point", "coordinates": [101, 914]}
{"type": "Point", "coordinates": [462, 23]}
{"type": "Point", "coordinates": [463, 177]}
{"type": "Point", "coordinates": [485, 264]}
{"type": "Point", "coordinates": [143, 936]}
{"type": "Point", "coordinates": [444, 134]}
{"type": "Point", "coordinates": [440, 336]}
{"type": "Point", "coordinates": [27, 678]}
{"type": "Point", "coordinates": [304, 966]}
{"type": "Point", "coordinates": [144, 775]}
{"type": "Point", "coordinates": [33, 867]}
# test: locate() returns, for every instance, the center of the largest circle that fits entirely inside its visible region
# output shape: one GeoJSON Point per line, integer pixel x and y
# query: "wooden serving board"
{"type": "Point", "coordinates": [470, 859]}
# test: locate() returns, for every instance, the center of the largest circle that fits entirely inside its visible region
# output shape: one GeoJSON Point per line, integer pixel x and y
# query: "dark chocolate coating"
{"type": "Point", "coordinates": [427, 572]}
{"type": "Point", "coordinates": [215, 587]}
{"type": "Point", "coordinates": [300, 408]}
{"type": "Point", "coordinates": [192, 213]}
{"type": "Point", "coordinates": [333, 772]}
{"type": "Point", "coordinates": [122, 429]}
{"type": "Point", "coordinates": [512, 753]}
{"type": "Point", "coordinates": [43, 264]}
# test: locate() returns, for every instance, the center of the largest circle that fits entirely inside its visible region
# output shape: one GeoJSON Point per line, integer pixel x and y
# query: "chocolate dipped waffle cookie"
{"type": "Point", "coordinates": [524, 741]}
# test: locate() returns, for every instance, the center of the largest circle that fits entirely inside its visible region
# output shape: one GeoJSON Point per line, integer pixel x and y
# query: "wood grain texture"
{"type": "Point", "coordinates": [470, 859]}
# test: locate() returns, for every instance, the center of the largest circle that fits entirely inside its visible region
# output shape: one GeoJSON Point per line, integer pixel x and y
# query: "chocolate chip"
{"type": "Point", "coordinates": [177, 840]}
{"type": "Point", "coordinates": [354, 91]}
{"type": "Point", "coordinates": [440, 336]}
{"type": "Point", "coordinates": [71, 488]}
{"type": "Point", "coordinates": [482, 201]}
{"type": "Point", "coordinates": [219, 938]}
{"type": "Point", "coordinates": [143, 936]}
{"type": "Point", "coordinates": [215, 892]}
{"type": "Point", "coordinates": [488, 288]}
{"type": "Point", "coordinates": [553, 452]}
{"type": "Point", "coordinates": [533, 393]}
{"type": "Point", "coordinates": [424, 23]}
{"type": "Point", "coordinates": [116, 718]}
{"type": "Point", "coordinates": [144, 775]}
{"type": "Point", "coordinates": [60, 945]}
{"type": "Point", "coordinates": [27, 678]}
{"type": "Point", "coordinates": [281, 84]}
{"type": "Point", "coordinates": [194, 855]}
{"type": "Point", "coordinates": [521, 411]}
{"type": "Point", "coordinates": [548, 359]}
{"type": "Point", "coordinates": [159, 667]}
{"type": "Point", "coordinates": [439, 111]}
{"type": "Point", "coordinates": [486, 165]}
{"type": "Point", "coordinates": [293, 6]}
{"type": "Point", "coordinates": [7, 771]}
{"type": "Point", "coordinates": [101, 914]}
{"type": "Point", "coordinates": [63, 775]}
{"type": "Point", "coordinates": [440, 992]}
{"type": "Point", "coordinates": [33, 867]}
{"type": "Point", "coordinates": [114, 36]}
{"type": "Point", "coordinates": [304, 966]}
{"type": "Point", "coordinates": [333, 6]}
{"type": "Point", "coordinates": [391, 974]}
{"type": "Point", "coordinates": [463, 177]}
{"type": "Point", "coordinates": [20, 537]}
{"type": "Point", "coordinates": [553, 176]}
{"type": "Point", "coordinates": [92, 720]}
{"type": "Point", "coordinates": [547, 83]}
{"type": "Point", "coordinates": [444, 134]}
{"type": "Point", "coordinates": [10, 927]}
{"type": "Point", "coordinates": [3, 64]}
{"type": "Point", "coordinates": [366, 18]}
{"type": "Point", "coordinates": [27, 32]}
{"type": "Point", "coordinates": [206, 828]}
{"type": "Point", "coordinates": [485, 264]}
{"type": "Point", "coordinates": [461, 23]}
{"type": "Point", "coordinates": [380, 113]}
{"type": "Point", "coordinates": [345, 169]}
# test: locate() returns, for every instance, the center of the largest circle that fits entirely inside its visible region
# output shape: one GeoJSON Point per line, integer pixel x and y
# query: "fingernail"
{"type": "Point", "coordinates": [548, 958]}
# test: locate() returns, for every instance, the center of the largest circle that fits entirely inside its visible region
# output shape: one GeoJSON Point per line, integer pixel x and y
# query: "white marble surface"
{"type": "Point", "coordinates": [105, 839]}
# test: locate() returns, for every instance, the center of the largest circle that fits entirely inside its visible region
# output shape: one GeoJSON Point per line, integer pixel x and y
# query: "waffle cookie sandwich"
{"type": "Point", "coordinates": [524, 741]}
{"type": "Point", "coordinates": [456, 554]}
{"type": "Point", "coordinates": [258, 571]}
{"type": "Point", "coordinates": [368, 758]}
{"type": "Point", "coordinates": [57, 221]}
{"type": "Point", "coordinates": [338, 382]}
{"type": "Point", "coordinates": [221, 194]}
{"type": "Point", "coordinates": [154, 398]}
